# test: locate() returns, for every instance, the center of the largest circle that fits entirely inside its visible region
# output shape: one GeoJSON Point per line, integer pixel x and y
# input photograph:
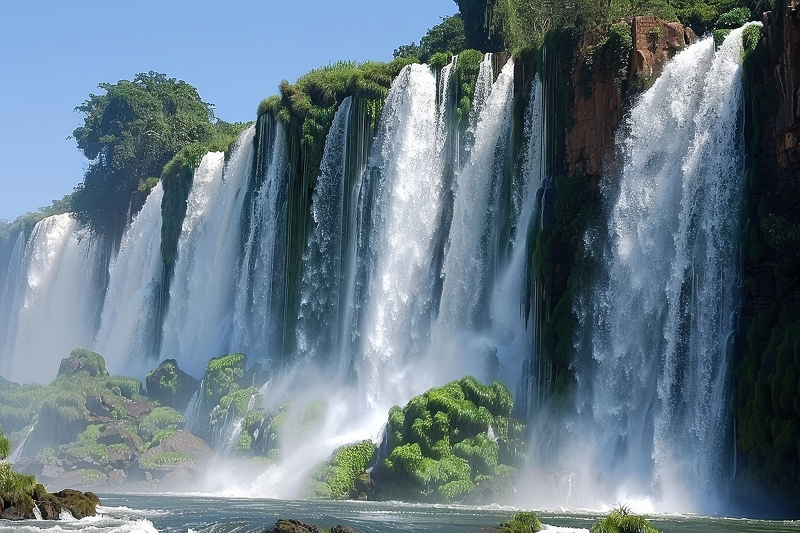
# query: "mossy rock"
{"type": "Point", "coordinates": [79, 504]}
{"type": "Point", "coordinates": [337, 479]}
{"type": "Point", "coordinates": [223, 376]}
{"type": "Point", "coordinates": [522, 522]}
{"type": "Point", "coordinates": [83, 360]}
{"type": "Point", "coordinates": [159, 419]}
{"type": "Point", "coordinates": [171, 386]}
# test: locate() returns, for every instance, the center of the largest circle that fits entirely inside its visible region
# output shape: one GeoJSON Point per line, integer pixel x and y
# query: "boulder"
{"type": "Point", "coordinates": [343, 529]}
{"type": "Point", "coordinates": [120, 433]}
{"type": "Point", "coordinates": [79, 504]}
{"type": "Point", "coordinates": [292, 526]}
{"type": "Point", "coordinates": [83, 360]}
{"type": "Point", "coordinates": [171, 386]}
{"type": "Point", "coordinates": [183, 451]}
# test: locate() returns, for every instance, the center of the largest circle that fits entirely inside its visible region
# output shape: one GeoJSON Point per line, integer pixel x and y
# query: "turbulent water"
{"type": "Point", "coordinates": [416, 269]}
{"type": "Point", "coordinates": [654, 399]}
{"type": "Point", "coordinates": [208, 514]}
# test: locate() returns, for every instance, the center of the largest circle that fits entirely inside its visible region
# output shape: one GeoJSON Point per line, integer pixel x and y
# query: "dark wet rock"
{"type": "Point", "coordinates": [343, 529]}
{"type": "Point", "coordinates": [79, 504]}
{"type": "Point", "coordinates": [183, 451]}
{"type": "Point", "coordinates": [293, 526]}
{"type": "Point", "coordinates": [11, 513]}
{"type": "Point", "coordinates": [171, 386]}
{"type": "Point", "coordinates": [120, 434]}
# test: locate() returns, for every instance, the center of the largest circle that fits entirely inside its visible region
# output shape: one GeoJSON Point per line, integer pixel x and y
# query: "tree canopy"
{"type": "Point", "coordinates": [447, 36]}
{"type": "Point", "coordinates": [129, 134]}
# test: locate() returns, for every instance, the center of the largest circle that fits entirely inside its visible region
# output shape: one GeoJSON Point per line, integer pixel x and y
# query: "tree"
{"type": "Point", "coordinates": [129, 134]}
{"type": "Point", "coordinates": [447, 36]}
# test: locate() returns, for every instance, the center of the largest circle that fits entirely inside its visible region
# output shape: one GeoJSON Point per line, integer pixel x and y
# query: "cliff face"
{"type": "Point", "coordinates": [606, 71]}
{"type": "Point", "coordinates": [766, 393]}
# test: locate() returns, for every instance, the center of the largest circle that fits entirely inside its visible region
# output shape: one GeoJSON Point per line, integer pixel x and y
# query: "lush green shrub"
{"type": "Point", "coordinates": [5, 446]}
{"type": "Point", "coordinates": [126, 387]}
{"type": "Point", "coordinates": [223, 375]}
{"type": "Point", "coordinates": [621, 520]}
{"type": "Point", "coordinates": [159, 419]}
{"type": "Point", "coordinates": [337, 478]}
{"type": "Point", "coordinates": [439, 443]}
{"type": "Point", "coordinates": [522, 522]}
{"type": "Point", "coordinates": [734, 18]}
{"type": "Point", "coordinates": [445, 38]}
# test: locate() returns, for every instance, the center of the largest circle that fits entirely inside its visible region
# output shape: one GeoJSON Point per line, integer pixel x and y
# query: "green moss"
{"type": "Point", "coordinates": [466, 71]}
{"type": "Point", "coordinates": [337, 478]}
{"type": "Point", "coordinates": [127, 387]}
{"type": "Point", "coordinates": [522, 522]}
{"type": "Point", "coordinates": [164, 460]}
{"type": "Point", "coordinates": [223, 375]}
{"type": "Point", "coordinates": [82, 360]}
{"type": "Point", "coordinates": [159, 419]}
{"type": "Point", "coordinates": [240, 399]}
{"type": "Point", "coordinates": [46, 456]}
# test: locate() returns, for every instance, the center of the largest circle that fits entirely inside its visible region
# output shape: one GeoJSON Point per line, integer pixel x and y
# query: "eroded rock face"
{"type": "Point", "coordinates": [654, 43]}
{"type": "Point", "coordinates": [606, 70]}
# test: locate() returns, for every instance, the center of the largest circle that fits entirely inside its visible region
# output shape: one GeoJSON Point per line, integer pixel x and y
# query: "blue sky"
{"type": "Point", "coordinates": [54, 53]}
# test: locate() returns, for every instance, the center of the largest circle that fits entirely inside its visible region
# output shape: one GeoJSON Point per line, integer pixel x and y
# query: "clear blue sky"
{"type": "Point", "coordinates": [54, 53]}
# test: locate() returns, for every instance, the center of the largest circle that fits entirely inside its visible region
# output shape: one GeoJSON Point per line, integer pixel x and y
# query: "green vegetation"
{"type": "Point", "coordinates": [520, 24]}
{"type": "Point", "coordinates": [440, 448]}
{"type": "Point", "coordinates": [522, 522]}
{"type": "Point", "coordinates": [336, 480]}
{"type": "Point", "coordinates": [222, 376]}
{"type": "Point", "coordinates": [129, 133]}
{"type": "Point", "coordinates": [83, 360]}
{"type": "Point", "coordinates": [164, 460]}
{"type": "Point", "coordinates": [766, 396]}
{"type": "Point", "coordinates": [159, 419]}
{"type": "Point", "coordinates": [621, 520]}
{"type": "Point", "coordinates": [445, 38]}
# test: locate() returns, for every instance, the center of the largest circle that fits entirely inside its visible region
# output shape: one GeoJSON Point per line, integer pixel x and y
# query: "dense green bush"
{"type": "Point", "coordinates": [621, 520]}
{"type": "Point", "coordinates": [446, 37]}
{"type": "Point", "coordinates": [522, 522]}
{"type": "Point", "coordinates": [439, 444]}
{"type": "Point", "coordinates": [337, 478]}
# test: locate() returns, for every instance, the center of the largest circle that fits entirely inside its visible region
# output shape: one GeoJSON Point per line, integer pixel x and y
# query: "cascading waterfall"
{"type": "Point", "coordinates": [12, 287]}
{"type": "Point", "coordinates": [467, 265]}
{"type": "Point", "coordinates": [404, 193]}
{"type": "Point", "coordinates": [129, 319]}
{"type": "Point", "coordinates": [199, 319]}
{"type": "Point", "coordinates": [512, 328]}
{"type": "Point", "coordinates": [254, 323]}
{"type": "Point", "coordinates": [61, 295]}
{"type": "Point", "coordinates": [653, 399]}
{"type": "Point", "coordinates": [318, 328]}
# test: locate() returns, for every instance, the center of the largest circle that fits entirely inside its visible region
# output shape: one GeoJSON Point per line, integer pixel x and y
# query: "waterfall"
{"type": "Point", "coordinates": [653, 394]}
{"type": "Point", "coordinates": [257, 321]}
{"type": "Point", "coordinates": [199, 318]}
{"type": "Point", "coordinates": [59, 301]}
{"type": "Point", "coordinates": [129, 319]}
{"type": "Point", "coordinates": [9, 298]}
{"type": "Point", "coordinates": [403, 196]}
{"type": "Point", "coordinates": [467, 267]}
{"type": "Point", "coordinates": [512, 327]}
{"type": "Point", "coordinates": [321, 285]}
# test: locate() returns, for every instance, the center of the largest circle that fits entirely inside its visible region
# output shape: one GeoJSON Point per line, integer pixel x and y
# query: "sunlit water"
{"type": "Point", "coordinates": [205, 514]}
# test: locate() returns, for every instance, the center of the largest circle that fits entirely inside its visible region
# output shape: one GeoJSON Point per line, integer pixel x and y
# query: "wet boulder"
{"type": "Point", "coordinates": [83, 360]}
{"type": "Point", "coordinates": [171, 386]}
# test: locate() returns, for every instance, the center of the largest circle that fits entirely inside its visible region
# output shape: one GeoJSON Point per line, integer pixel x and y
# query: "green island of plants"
{"type": "Point", "coordinates": [621, 520]}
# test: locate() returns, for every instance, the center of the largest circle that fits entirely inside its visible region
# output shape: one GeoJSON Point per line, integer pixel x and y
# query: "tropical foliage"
{"type": "Point", "coordinates": [129, 133]}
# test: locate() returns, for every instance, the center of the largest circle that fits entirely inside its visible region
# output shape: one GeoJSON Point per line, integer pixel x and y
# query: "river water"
{"type": "Point", "coordinates": [209, 514]}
